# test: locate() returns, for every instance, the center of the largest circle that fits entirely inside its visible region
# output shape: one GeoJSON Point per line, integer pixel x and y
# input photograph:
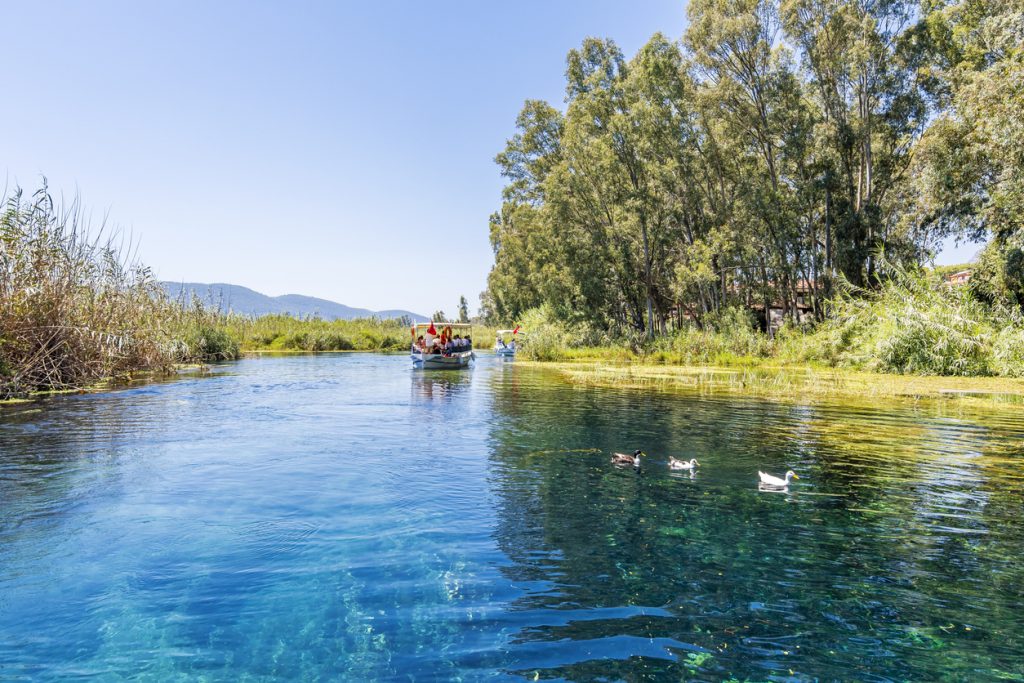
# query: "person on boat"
{"type": "Point", "coordinates": [498, 341]}
{"type": "Point", "coordinates": [469, 342]}
{"type": "Point", "coordinates": [431, 336]}
{"type": "Point", "coordinates": [419, 345]}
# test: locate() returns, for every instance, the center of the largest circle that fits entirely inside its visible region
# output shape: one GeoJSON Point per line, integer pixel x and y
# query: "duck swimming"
{"type": "Point", "coordinates": [769, 480]}
{"type": "Point", "coordinates": [623, 459]}
{"type": "Point", "coordinates": [674, 464]}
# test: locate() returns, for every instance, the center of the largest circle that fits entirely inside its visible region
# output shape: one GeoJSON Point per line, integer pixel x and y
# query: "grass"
{"type": "Point", "coordinates": [281, 333]}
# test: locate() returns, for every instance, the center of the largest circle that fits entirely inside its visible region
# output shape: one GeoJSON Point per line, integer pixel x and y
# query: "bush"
{"type": "Point", "coordinates": [917, 324]}
{"type": "Point", "coordinates": [212, 344]}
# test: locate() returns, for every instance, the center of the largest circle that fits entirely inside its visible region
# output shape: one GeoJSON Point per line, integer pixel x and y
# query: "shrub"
{"type": "Point", "coordinates": [212, 344]}
{"type": "Point", "coordinates": [915, 323]}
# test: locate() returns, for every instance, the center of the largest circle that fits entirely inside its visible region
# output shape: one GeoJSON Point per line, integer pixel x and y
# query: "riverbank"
{"type": "Point", "coordinates": [283, 333]}
{"type": "Point", "coordinates": [792, 381]}
{"type": "Point", "coordinates": [137, 377]}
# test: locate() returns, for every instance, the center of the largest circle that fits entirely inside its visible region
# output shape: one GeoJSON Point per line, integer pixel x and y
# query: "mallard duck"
{"type": "Point", "coordinates": [769, 480]}
{"type": "Point", "coordinates": [674, 464]}
{"type": "Point", "coordinates": [623, 459]}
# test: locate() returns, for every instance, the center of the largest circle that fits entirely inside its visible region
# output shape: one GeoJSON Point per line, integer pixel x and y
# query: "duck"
{"type": "Point", "coordinates": [674, 464]}
{"type": "Point", "coordinates": [623, 459]}
{"type": "Point", "coordinates": [769, 480]}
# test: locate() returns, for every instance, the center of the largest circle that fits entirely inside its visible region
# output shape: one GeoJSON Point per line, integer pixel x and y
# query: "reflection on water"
{"type": "Point", "coordinates": [345, 517]}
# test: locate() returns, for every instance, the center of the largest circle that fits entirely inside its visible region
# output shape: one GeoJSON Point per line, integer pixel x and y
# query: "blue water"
{"type": "Point", "coordinates": [344, 517]}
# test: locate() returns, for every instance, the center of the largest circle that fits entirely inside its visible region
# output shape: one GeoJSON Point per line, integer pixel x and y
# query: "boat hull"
{"type": "Point", "coordinates": [507, 352]}
{"type": "Point", "coordinates": [431, 361]}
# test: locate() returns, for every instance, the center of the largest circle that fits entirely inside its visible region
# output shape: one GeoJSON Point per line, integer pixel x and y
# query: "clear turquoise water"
{"type": "Point", "coordinates": [343, 517]}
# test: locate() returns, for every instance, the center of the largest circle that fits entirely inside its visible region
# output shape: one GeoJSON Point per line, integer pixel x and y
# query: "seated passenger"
{"type": "Point", "coordinates": [469, 342]}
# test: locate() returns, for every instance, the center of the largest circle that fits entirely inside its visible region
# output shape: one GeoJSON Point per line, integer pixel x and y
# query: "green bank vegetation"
{"type": "Point", "coordinates": [913, 323]}
{"type": "Point", "coordinates": [284, 333]}
{"type": "Point", "coordinates": [76, 309]}
{"type": "Point", "coordinates": [806, 156]}
{"type": "Point", "coordinates": [287, 333]}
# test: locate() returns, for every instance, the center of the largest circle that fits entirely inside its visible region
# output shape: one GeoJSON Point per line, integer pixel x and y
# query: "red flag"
{"type": "Point", "coordinates": [431, 330]}
{"type": "Point", "coordinates": [516, 331]}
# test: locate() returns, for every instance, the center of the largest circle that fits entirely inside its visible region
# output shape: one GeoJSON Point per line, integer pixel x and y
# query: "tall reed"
{"type": "Point", "coordinates": [75, 305]}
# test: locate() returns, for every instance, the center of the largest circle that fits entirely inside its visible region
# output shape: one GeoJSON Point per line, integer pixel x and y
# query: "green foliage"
{"type": "Point", "coordinates": [916, 323]}
{"type": "Point", "coordinates": [969, 174]}
{"type": "Point", "coordinates": [767, 150]}
{"type": "Point", "coordinates": [212, 344]}
{"type": "Point", "coordinates": [286, 333]}
{"type": "Point", "coordinates": [551, 338]}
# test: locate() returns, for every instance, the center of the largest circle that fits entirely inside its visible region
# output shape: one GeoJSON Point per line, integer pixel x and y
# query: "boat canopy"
{"type": "Point", "coordinates": [502, 333]}
{"type": "Point", "coordinates": [456, 328]}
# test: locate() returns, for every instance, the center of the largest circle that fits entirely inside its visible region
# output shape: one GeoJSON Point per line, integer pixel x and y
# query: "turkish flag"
{"type": "Point", "coordinates": [516, 331]}
{"type": "Point", "coordinates": [431, 330]}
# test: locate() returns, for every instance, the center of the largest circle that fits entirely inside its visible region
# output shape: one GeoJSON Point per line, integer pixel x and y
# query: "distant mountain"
{"type": "Point", "coordinates": [249, 302]}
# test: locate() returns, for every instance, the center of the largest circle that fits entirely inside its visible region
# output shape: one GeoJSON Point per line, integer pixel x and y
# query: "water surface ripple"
{"type": "Point", "coordinates": [343, 517]}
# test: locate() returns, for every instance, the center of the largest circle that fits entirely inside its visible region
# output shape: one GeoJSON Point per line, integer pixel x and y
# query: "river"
{"type": "Point", "coordinates": [345, 517]}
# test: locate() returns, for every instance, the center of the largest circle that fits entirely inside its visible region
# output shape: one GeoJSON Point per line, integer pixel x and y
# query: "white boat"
{"type": "Point", "coordinates": [454, 356]}
{"type": "Point", "coordinates": [434, 361]}
{"type": "Point", "coordinates": [508, 349]}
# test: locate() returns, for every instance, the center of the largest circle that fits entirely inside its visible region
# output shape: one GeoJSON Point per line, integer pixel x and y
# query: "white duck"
{"type": "Point", "coordinates": [769, 480]}
{"type": "Point", "coordinates": [675, 464]}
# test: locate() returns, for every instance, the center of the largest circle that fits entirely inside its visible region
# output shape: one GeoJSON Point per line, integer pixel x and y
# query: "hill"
{"type": "Point", "coordinates": [245, 301]}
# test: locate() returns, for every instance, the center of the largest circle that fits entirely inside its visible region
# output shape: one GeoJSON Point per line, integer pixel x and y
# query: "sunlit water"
{"type": "Point", "coordinates": [343, 517]}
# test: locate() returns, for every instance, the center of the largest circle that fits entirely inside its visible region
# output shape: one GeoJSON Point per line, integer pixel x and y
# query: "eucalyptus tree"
{"type": "Point", "coordinates": [619, 185]}
{"type": "Point", "coordinates": [522, 238]}
{"type": "Point", "coordinates": [746, 72]}
{"type": "Point", "coordinates": [859, 64]}
{"type": "Point", "coordinates": [969, 174]}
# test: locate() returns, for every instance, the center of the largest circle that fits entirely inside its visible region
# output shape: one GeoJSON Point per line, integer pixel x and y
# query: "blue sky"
{"type": "Point", "coordinates": [336, 149]}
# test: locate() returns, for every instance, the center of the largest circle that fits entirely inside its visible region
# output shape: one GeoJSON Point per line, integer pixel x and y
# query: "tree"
{"type": "Point", "coordinates": [782, 145]}
{"type": "Point", "coordinates": [439, 317]}
{"type": "Point", "coordinates": [463, 310]}
{"type": "Point", "coordinates": [969, 175]}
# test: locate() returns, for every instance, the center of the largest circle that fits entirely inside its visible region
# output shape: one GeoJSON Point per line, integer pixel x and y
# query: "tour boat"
{"type": "Point", "coordinates": [453, 359]}
{"type": "Point", "coordinates": [501, 348]}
